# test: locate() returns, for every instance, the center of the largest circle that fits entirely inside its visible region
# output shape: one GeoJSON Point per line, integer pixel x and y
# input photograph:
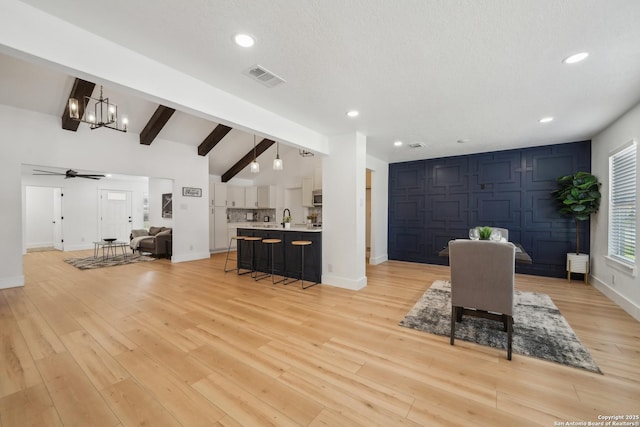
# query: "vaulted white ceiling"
{"type": "Point", "coordinates": [430, 71]}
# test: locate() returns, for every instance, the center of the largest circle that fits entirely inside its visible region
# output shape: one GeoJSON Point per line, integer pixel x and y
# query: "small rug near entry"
{"type": "Point", "coordinates": [91, 262]}
{"type": "Point", "coordinates": [539, 329]}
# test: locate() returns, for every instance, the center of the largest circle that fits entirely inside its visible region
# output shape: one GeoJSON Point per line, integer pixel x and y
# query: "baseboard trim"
{"type": "Point", "coordinates": [11, 282]}
{"type": "Point", "coordinates": [190, 257]}
{"type": "Point", "coordinates": [343, 282]}
{"type": "Point", "coordinates": [79, 247]}
{"type": "Point", "coordinates": [627, 305]}
{"type": "Point", "coordinates": [379, 259]}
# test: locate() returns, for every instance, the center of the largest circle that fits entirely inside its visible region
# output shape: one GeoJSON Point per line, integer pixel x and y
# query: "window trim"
{"type": "Point", "coordinates": [615, 260]}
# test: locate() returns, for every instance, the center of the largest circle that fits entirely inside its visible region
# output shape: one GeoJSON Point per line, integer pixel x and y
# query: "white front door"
{"type": "Point", "coordinates": [115, 221]}
{"type": "Point", "coordinates": [57, 219]}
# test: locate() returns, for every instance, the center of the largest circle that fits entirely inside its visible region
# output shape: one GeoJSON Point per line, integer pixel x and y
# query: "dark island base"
{"type": "Point", "coordinates": [287, 258]}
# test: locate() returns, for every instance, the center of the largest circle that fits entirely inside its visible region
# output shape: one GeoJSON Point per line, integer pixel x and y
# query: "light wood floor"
{"type": "Point", "coordinates": [159, 344]}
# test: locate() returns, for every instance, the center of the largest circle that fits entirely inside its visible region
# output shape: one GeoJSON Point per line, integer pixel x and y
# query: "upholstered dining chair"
{"type": "Point", "coordinates": [482, 280]}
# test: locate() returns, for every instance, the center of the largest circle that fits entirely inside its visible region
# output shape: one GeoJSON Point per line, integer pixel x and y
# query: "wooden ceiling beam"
{"type": "Point", "coordinates": [214, 137]}
{"type": "Point", "coordinates": [248, 158]}
{"type": "Point", "coordinates": [155, 124]}
{"type": "Point", "coordinates": [80, 89]}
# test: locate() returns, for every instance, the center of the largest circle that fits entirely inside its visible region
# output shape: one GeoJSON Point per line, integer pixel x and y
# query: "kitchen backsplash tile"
{"type": "Point", "coordinates": [240, 215]}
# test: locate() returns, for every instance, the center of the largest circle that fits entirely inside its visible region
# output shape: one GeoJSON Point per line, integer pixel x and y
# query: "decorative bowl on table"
{"type": "Point", "coordinates": [110, 239]}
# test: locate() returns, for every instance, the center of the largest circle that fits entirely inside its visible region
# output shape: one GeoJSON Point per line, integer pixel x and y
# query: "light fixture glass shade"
{"type": "Point", "coordinates": [255, 167]}
{"type": "Point", "coordinates": [73, 108]}
{"type": "Point", "coordinates": [277, 164]}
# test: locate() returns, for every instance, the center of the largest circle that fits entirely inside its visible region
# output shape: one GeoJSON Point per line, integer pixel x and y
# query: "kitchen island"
{"type": "Point", "coordinates": [287, 260]}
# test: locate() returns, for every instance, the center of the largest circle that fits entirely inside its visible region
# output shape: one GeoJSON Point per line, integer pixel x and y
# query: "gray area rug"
{"type": "Point", "coordinates": [92, 263]}
{"type": "Point", "coordinates": [539, 329]}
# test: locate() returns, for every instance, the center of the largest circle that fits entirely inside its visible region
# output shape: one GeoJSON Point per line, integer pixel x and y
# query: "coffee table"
{"type": "Point", "coordinates": [109, 248]}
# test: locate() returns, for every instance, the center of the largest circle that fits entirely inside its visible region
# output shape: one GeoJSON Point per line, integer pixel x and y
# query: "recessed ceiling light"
{"type": "Point", "coordinates": [398, 143]}
{"type": "Point", "coordinates": [244, 40]}
{"type": "Point", "coordinates": [576, 58]}
{"type": "Point", "coordinates": [546, 119]}
{"type": "Point", "coordinates": [353, 113]}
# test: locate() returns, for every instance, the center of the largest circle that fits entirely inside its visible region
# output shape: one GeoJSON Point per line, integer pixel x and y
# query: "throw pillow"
{"type": "Point", "coordinates": [138, 233]}
{"type": "Point", "coordinates": [154, 230]}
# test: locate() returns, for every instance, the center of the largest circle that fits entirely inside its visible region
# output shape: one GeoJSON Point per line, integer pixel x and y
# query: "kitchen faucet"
{"type": "Point", "coordinates": [284, 216]}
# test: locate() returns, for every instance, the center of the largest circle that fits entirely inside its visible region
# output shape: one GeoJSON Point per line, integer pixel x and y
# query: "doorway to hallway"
{"type": "Point", "coordinates": [43, 219]}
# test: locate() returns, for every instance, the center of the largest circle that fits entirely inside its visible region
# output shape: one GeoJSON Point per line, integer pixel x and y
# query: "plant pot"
{"type": "Point", "coordinates": [577, 264]}
{"type": "Point", "coordinates": [287, 225]}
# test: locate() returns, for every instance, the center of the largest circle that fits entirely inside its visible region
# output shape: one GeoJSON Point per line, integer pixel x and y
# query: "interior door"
{"type": "Point", "coordinates": [116, 214]}
{"type": "Point", "coordinates": [57, 219]}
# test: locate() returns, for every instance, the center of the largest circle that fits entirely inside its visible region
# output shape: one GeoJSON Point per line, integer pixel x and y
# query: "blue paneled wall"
{"type": "Point", "coordinates": [433, 201]}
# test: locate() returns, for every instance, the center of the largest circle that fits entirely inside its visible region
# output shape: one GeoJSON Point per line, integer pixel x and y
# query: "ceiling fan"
{"type": "Point", "coordinates": [69, 174]}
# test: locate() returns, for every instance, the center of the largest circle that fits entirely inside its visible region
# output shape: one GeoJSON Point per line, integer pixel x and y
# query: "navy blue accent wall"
{"type": "Point", "coordinates": [435, 200]}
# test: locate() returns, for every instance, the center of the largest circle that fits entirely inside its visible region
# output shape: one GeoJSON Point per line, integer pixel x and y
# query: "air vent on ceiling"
{"type": "Point", "coordinates": [264, 76]}
{"type": "Point", "coordinates": [417, 145]}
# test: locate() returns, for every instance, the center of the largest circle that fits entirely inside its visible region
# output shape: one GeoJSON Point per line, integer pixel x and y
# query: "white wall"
{"type": "Point", "coordinates": [379, 209]}
{"type": "Point", "coordinates": [37, 139]}
{"type": "Point", "coordinates": [626, 289]}
{"type": "Point", "coordinates": [158, 187]}
{"type": "Point", "coordinates": [343, 212]}
{"type": "Point", "coordinates": [39, 217]}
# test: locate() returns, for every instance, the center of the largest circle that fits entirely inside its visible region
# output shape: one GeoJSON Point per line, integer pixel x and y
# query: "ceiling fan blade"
{"type": "Point", "coordinates": [46, 172]}
{"type": "Point", "coordinates": [89, 176]}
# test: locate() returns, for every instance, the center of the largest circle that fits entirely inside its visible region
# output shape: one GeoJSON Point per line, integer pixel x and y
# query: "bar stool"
{"type": "Point", "coordinates": [270, 250]}
{"type": "Point", "coordinates": [302, 244]}
{"type": "Point", "coordinates": [253, 240]}
{"type": "Point", "coordinates": [236, 238]}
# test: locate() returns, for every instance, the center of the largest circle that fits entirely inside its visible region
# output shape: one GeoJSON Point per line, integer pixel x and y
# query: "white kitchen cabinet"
{"type": "Point", "coordinates": [267, 197]}
{"type": "Point", "coordinates": [220, 194]}
{"type": "Point", "coordinates": [307, 191]}
{"type": "Point", "coordinates": [251, 197]}
{"type": "Point", "coordinates": [317, 178]}
{"type": "Point", "coordinates": [235, 197]}
{"type": "Point", "coordinates": [221, 228]}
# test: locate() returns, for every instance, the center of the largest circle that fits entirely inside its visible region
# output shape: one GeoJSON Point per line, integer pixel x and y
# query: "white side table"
{"type": "Point", "coordinates": [578, 264]}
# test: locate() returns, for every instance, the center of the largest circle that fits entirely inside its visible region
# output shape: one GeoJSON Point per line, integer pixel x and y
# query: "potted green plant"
{"type": "Point", "coordinates": [578, 197]}
{"type": "Point", "coordinates": [484, 232]}
{"type": "Point", "coordinates": [287, 221]}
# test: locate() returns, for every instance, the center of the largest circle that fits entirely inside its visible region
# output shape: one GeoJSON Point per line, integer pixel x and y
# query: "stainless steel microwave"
{"type": "Point", "coordinates": [317, 198]}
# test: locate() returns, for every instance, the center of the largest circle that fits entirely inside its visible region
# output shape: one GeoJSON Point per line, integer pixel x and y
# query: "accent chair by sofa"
{"type": "Point", "coordinates": [157, 241]}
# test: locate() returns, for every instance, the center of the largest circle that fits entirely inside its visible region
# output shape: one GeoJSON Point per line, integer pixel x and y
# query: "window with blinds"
{"type": "Point", "coordinates": [623, 198]}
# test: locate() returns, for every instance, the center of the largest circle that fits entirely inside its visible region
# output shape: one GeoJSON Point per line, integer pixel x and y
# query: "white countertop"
{"type": "Point", "coordinates": [274, 226]}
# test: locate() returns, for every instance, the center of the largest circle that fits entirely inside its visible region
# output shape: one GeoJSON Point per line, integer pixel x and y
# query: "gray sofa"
{"type": "Point", "coordinates": [156, 241]}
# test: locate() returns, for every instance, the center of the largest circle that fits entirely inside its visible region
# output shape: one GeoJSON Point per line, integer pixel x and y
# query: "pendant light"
{"type": "Point", "coordinates": [104, 114]}
{"type": "Point", "coordinates": [255, 166]}
{"type": "Point", "coordinates": [277, 162]}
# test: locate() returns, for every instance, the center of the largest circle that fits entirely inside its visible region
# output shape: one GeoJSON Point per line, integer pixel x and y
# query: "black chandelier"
{"type": "Point", "coordinates": [103, 114]}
